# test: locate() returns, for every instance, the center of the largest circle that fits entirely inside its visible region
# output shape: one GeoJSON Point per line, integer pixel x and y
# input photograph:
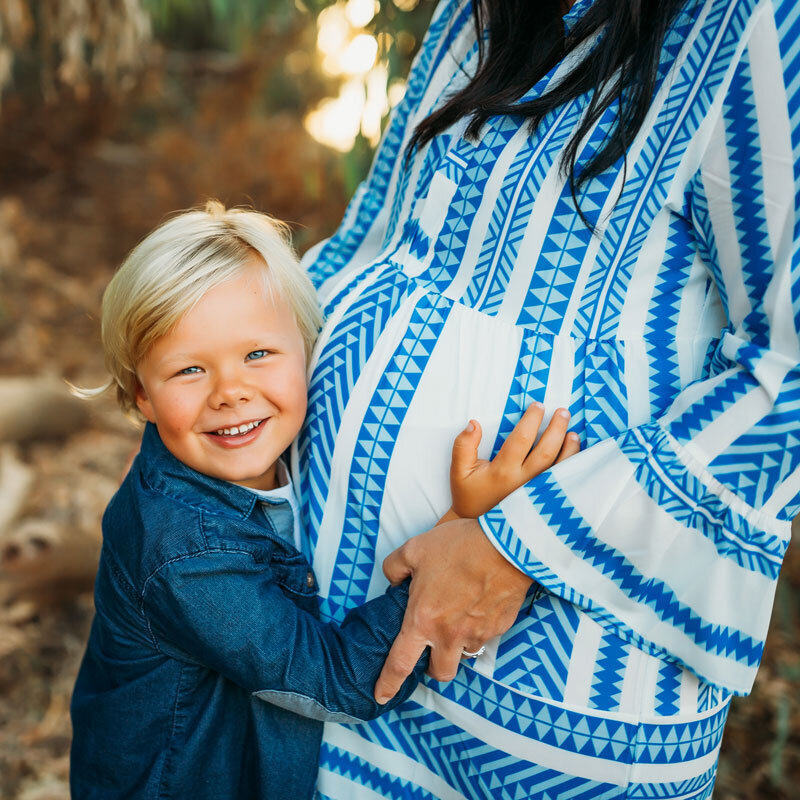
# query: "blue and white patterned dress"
{"type": "Point", "coordinates": [463, 284]}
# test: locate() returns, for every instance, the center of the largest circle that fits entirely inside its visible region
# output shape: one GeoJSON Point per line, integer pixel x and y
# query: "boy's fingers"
{"type": "Point", "coordinates": [547, 449]}
{"type": "Point", "coordinates": [465, 449]}
{"type": "Point", "coordinates": [400, 663]}
{"type": "Point", "coordinates": [396, 566]}
{"type": "Point", "coordinates": [571, 446]}
{"type": "Point", "coordinates": [516, 447]}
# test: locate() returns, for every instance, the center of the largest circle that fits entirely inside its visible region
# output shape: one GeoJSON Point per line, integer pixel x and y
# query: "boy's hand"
{"type": "Point", "coordinates": [478, 485]}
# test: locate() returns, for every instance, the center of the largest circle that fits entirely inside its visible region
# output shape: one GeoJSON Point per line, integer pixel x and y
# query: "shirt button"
{"type": "Point", "coordinates": [310, 580]}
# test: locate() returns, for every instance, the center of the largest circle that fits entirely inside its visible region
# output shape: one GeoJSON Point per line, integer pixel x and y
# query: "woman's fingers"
{"type": "Point", "coordinates": [571, 446]}
{"type": "Point", "coordinates": [444, 662]}
{"type": "Point", "coordinates": [516, 447]}
{"type": "Point", "coordinates": [465, 450]}
{"type": "Point", "coordinates": [547, 449]}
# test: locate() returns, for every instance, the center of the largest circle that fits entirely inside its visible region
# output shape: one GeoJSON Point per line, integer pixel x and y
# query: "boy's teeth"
{"type": "Point", "coordinates": [236, 430]}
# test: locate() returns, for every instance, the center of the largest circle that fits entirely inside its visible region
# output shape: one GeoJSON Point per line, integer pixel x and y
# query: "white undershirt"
{"type": "Point", "coordinates": [284, 492]}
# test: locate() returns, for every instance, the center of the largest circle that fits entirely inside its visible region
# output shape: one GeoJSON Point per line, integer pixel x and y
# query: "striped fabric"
{"type": "Point", "coordinates": [463, 284]}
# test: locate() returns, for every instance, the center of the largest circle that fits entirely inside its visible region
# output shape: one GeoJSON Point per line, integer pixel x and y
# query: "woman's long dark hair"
{"type": "Point", "coordinates": [527, 39]}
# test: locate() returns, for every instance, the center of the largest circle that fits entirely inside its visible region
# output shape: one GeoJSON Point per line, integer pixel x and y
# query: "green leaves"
{"type": "Point", "coordinates": [220, 24]}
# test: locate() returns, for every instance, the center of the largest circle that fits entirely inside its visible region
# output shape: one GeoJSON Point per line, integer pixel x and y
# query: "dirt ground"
{"type": "Point", "coordinates": [67, 215]}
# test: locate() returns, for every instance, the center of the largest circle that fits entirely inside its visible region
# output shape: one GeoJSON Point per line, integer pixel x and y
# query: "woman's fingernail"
{"type": "Point", "coordinates": [383, 700]}
{"type": "Point", "coordinates": [537, 404]}
{"type": "Point", "coordinates": [470, 427]}
{"type": "Point", "coordinates": [562, 412]}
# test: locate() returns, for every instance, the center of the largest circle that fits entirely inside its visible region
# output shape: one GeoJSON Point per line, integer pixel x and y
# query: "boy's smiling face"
{"type": "Point", "coordinates": [236, 361]}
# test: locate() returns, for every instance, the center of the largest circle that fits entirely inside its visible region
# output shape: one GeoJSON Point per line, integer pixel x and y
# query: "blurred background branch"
{"type": "Point", "coordinates": [55, 43]}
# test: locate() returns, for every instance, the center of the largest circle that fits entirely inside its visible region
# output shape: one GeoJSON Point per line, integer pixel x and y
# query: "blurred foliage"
{"type": "Point", "coordinates": [96, 51]}
{"type": "Point", "coordinates": [248, 27]}
{"type": "Point", "coordinates": [231, 25]}
{"type": "Point", "coordinates": [236, 25]}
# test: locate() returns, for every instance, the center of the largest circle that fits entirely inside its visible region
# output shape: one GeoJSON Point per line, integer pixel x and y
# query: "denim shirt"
{"type": "Point", "coordinates": [203, 611]}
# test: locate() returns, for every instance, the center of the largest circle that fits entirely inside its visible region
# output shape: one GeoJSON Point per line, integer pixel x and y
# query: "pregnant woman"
{"type": "Point", "coordinates": [593, 207]}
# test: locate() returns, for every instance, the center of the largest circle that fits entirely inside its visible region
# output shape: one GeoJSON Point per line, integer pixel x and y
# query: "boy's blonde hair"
{"type": "Point", "coordinates": [167, 273]}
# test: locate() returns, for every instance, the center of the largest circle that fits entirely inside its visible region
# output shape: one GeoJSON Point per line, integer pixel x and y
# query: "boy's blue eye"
{"type": "Point", "coordinates": [189, 371]}
{"type": "Point", "coordinates": [256, 354]}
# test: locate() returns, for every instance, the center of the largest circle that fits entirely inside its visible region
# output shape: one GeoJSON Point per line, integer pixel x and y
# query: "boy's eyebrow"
{"type": "Point", "coordinates": [180, 357]}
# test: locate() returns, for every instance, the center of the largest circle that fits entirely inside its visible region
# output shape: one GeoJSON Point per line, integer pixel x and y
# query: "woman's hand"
{"type": "Point", "coordinates": [462, 594]}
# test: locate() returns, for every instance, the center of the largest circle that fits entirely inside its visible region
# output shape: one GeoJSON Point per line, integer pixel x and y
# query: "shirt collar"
{"type": "Point", "coordinates": [166, 474]}
{"type": "Point", "coordinates": [280, 493]}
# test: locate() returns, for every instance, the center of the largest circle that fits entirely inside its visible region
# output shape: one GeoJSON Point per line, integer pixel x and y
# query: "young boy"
{"type": "Point", "coordinates": [204, 605]}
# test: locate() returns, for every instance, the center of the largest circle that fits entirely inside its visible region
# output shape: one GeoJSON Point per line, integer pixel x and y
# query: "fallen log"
{"type": "Point", "coordinates": [38, 408]}
{"type": "Point", "coordinates": [42, 565]}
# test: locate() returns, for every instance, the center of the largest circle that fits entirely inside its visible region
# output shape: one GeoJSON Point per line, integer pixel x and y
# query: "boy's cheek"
{"type": "Point", "coordinates": [175, 412]}
{"type": "Point", "coordinates": [303, 404]}
{"type": "Point", "coordinates": [294, 399]}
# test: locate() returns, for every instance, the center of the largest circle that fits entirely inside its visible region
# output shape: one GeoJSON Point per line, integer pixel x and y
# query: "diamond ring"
{"type": "Point", "coordinates": [467, 654]}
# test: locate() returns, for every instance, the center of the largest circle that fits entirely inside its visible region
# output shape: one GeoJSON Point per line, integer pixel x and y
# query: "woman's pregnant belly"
{"type": "Point", "coordinates": [397, 374]}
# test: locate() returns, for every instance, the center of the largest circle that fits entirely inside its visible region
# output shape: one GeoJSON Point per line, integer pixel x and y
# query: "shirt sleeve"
{"type": "Point", "coordinates": [673, 532]}
{"type": "Point", "coordinates": [224, 611]}
{"type": "Point", "coordinates": [369, 220]}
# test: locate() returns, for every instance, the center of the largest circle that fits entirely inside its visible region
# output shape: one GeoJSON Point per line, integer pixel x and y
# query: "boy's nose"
{"type": "Point", "coordinates": [230, 393]}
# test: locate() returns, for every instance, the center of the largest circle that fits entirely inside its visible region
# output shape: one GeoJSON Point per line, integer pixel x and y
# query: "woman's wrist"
{"type": "Point", "coordinates": [449, 516]}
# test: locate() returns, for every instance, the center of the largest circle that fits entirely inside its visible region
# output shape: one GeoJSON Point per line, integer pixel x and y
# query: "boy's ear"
{"type": "Point", "coordinates": [143, 403]}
